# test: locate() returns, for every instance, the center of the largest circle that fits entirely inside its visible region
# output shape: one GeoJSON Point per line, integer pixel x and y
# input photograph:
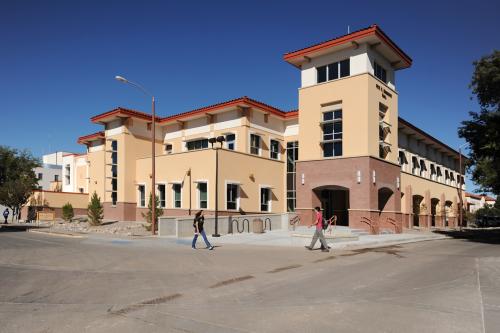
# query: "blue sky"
{"type": "Point", "coordinates": [58, 58]}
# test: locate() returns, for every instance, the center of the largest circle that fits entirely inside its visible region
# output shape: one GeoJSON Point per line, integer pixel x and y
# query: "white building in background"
{"type": "Point", "coordinates": [50, 174]}
{"type": "Point", "coordinates": [75, 173]}
{"type": "Point", "coordinates": [477, 201]}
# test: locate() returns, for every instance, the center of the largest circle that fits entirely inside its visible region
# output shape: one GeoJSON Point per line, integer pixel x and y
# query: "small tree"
{"type": "Point", "coordinates": [95, 210]}
{"type": "Point", "coordinates": [148, 216]}
{"type": "Point", "coordinates": [67, 212]}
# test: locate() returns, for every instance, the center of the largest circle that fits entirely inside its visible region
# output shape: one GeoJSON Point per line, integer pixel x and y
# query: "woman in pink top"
{"type": "Point", "coordinates": [318, 233]}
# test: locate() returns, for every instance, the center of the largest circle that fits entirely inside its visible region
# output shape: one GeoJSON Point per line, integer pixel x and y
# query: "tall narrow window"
{"type": "Point", "coordinates": [142, 195]}
{"type": "Point", "coordinates": [56, 178]}
{"type": "Point", "coordinates": [232, 196]}
{"type": "Point", "coordinates": [265, 199]}
{"type": "Point", "coordinates": [332, 133]}
{"type": "Point", "coordinates": [254, 144]}
{"type": "Point", "coordinates": [177, 195]}
{"type": "Point", "coordinates": [415, 167]}
{"type": "Point", "coordinates": [68, 174]}
{"type": "Point", "coordinates": [345, 68]}
{"type": "Point", "coordinates": [161, 195]}
{"type": "Point", "coordinates": [292, 154]}
{"type": "Point", "coordinates": [202, 195]}
{"type": "Point", "coordinates": [321, 73]}
{"type": "Point", "coordinates": [275, 149]}
{"type": "Point", "coordinates": [114, 172]}
{"type": "Point", "coordinates": [40, 176]}
{"type": "Point", "coordinates": [231, 141]}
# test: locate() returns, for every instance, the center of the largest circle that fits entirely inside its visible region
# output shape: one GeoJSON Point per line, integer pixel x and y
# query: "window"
{"type": "Point", "coordinates": [68, 176]}
{"type": "Point", "coordinates": [333, 71]}
{"type": "Point", "coordinates": [254, 144]}
{"type": "Point", "coordinates": [177, 195]}
{"type": "Point", "coordinates": [265, 199]}
{"type": "Point", "coordinates": [439, 174]}
{"type": "Point", "coordinates": [332, 133]}
{"type": "Point", "coordinates": [56, 178]}
{"type": "Point", "coordinates": [231, 141]}
{"type": "Point", "coordinates": [380, 72]}
{"type": "Point", "coordinates": [232, 196]}
{"type": "Point", "coordinates": [197, 144]}
{"type": "Point", "coordinates": [142, 195]}
{"type": "Point", "coordinates": [423, 168]}
{"type": "Point", "coordinates": [40, 176]}
{"type": "Point", "coordinates": [446, 177]}
{"type": "Point", "coordinates": [402, 160]}
{"type": "Point", "coordinates": [292, 154]}
{"type": "Point", "coordinates": [161, 195]}
{"type": "Point", "coordinates": [202, 195]}
{"type": "Point", "coordinates": [275, 149]}
{"type": "Point", "coordinates": [168, 149]}
{"type": "Point", "coordinates": [114, 171]}
{"type": "Point", "coordinates": [433, 172]}
{"type": "Point", "coordinates": [81, 189]}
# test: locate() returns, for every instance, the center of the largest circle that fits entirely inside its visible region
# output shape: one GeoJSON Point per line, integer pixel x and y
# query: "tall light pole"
{"type": "Point", "coordinates": [153, 150]}
{"type": "Point", "coordinates": [213, 140]}
{"type": "Point", "coordinates": [460, 185]}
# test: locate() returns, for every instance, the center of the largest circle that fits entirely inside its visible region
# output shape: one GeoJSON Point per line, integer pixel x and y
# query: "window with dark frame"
{"type": "Point", "coordinates": [114, 172]}
{"type": "Point", "coordinates": [232, 196]}
{"type": "Point", "coordinates": [292, 154]}
{"type": "Point", "coordinates": [142, 195]}
{"type": "Point", "coordinates": [333, 71]}
{"type": "Point", "coordinates": [231, 141]}
{"type": "Point", "coordinates": [265, 198]}
{"type": "Point", "coordinates": [274, 149]}
{"type": "Point", "coordinates": [332, 133]}
{"type": "Point", "coordinates": [168, 149]}
{"type": "Point", "coordinates": [40, 176]}
{"type": "Point", "coordinates": [177, 195]}
{"type": "Point", "coordinates": [255, 144]}
{"type": "Point", "coordinates": [380, 72]}
{"type": "Point", "coordinates": [197, 144]}
{"type": "Point", "coordinates": [161, 195]}
{"type": "Point", "coordinates": [202, 195]}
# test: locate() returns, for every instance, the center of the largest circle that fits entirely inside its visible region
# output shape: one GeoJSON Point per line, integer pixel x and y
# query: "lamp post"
{"type": "Point", "coordinates": [219, 139]}
{"type": "Point", "coordinates": [153, 151]}
{"type": "Point", "coordinates": [460, 185]}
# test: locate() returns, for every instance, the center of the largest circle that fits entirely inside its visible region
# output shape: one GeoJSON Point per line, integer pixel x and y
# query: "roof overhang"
{"type": "Point", "coordinates": [86, 139]}
{"type": "Point", "coordinates": [120, 113]}
{"type": "Point", "coordinates": [373, 36]}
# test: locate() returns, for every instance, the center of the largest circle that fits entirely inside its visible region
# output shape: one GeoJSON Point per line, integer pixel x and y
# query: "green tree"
{"type": "Point", "coordinates": [17, 177]}
{"type": "Point", "coordinates": [95, 210]}
{"type": "Point", "coordinates": [149, 214]}
{"type": "Point", "coordinates": [482, 130]}
{"type": "Point", "coordinates": [68, 212]}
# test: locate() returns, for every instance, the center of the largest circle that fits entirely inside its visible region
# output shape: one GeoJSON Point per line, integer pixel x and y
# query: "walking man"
{"type": "Point", "coordinates": [318, 233]}
{"type": "Point", "coordinates": [6, 215]}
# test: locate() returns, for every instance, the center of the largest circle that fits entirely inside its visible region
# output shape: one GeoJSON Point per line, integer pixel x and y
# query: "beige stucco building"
{"type": "Point", "coordinates": [345, 149]}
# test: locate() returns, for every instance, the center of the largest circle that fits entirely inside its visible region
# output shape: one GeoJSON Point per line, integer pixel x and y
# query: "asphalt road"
{"type": "Point", "coordinates": [56, 284]}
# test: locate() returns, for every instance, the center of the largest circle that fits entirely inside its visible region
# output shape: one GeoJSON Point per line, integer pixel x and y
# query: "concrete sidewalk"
{"type": "Point", "coordinates": [302, 236]}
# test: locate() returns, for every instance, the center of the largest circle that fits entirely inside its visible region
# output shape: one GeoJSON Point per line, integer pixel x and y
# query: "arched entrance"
{"type": "Point", "coordinates": [417, 200]}
{"type": "Point", "coordinates": [448, 209]}
{"type": "Point", "coordinates": [334, 201]}
{"type": "Point", "coordinates": [434, 205]}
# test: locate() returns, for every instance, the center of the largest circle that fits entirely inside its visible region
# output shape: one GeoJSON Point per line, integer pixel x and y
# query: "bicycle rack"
{"type": "Point", "coordinates": [238, 225]}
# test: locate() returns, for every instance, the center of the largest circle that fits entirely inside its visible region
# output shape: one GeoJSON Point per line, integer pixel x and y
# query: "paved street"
{"type": "Point", "coordinates": [58, 284]}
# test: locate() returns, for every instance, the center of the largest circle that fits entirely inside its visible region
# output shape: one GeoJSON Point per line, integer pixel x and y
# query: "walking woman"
{"type": "Point", "coordinates": [199, 219]}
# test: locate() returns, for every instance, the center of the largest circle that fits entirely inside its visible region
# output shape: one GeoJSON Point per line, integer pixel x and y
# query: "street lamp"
{"type": "Point", "coordinates": [460, 185]}
{"type": "Point", "coordinates": [219, 139]}
{"type": "Point", "coordinates": [153, 151]}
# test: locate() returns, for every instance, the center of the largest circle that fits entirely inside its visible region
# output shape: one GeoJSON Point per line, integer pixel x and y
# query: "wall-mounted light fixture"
{"type": "Point", "coordinates": [397, 182]}
{"type": "Point", "coordinates": [303, 179]}
{"type": "Point", "coordinates": [374, 179]}
{"type": "Point", "coordinates": [358, 176]}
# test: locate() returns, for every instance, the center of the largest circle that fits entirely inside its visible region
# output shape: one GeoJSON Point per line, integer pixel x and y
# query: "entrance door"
{"type": "Point", "coordinates": [336, 202]}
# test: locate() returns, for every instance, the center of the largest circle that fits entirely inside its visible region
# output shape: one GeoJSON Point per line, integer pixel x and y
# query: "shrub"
{"type": "Point", "coordinates": [95, 210]}
{"type": "Point", "coordinates": [148, 216]}
{"type": "Point", "coordinates": [67, 212]}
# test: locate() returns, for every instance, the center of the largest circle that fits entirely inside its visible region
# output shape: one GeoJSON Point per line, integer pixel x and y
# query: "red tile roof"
{"type": "Point", "coordinates": [371, 30]}
{"type": "Point", "coordinates": [90, 137]}
{"type": "Point", "coordinates": [123, 112]}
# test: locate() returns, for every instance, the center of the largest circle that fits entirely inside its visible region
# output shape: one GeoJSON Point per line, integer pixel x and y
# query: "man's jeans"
{"type": "Point", "coordinates": [318, 234]}
{"type": "Point", "coordinates": [204, 238]}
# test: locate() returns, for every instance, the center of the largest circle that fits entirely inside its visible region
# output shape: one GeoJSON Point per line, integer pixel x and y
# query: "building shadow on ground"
{"type": "Point", "coordinates": [487, 236]}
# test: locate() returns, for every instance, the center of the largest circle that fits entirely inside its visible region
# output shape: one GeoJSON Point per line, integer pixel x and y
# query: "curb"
{"type": "Point", "coordinates": [57, 234]}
